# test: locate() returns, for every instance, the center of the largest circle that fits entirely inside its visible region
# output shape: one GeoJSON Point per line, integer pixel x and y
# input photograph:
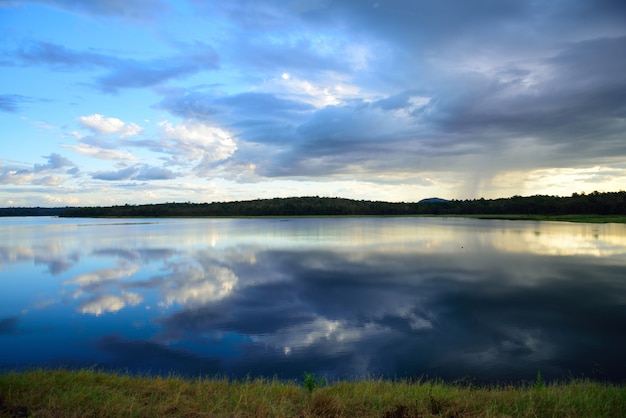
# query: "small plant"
{"type": "Point", "coordinates": [311, 383]}
{"type": "Point", "coordinates": [539, 384]}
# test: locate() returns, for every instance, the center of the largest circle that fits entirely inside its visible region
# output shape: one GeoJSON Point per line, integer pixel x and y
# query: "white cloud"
{"type": "Point", "coordinates": [101, 153]}
{"type": "Point", "coordinates": [332, 92]}
{"type": "Point", "coordinates": [321, 330]}
{"type": "Point", "coordinates": [103, 275]}
{"type": "Point", "coordinates": [12, 175]}
{"type": "Point", "coordinates": [194, 287]}
{"type": "Point", "coordinates": [103, 125]}
{"type": "Point", "coordinates": [198, 141]}
{"type": "Point", "coordinates": [110, 303]}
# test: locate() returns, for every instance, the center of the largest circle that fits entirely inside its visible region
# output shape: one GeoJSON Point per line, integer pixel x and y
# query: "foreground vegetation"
{"type": "Point", "coordinates": [56, 393]}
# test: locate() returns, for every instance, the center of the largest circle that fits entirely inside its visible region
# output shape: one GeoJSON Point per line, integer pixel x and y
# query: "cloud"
{"type": "Point", "coordinates": [256, 117]}
{"type": "Point", "coordinates": [253, 105]}
{"type": "Point", "coordinates": [123, 174]}
{"type": "Point", "coordinates": [194, 145]}
{"type": "Point", "coordinates": [103, 125]}
{"type": "Point", "coordinates": [133, 9]}
{"type": "Point", "coordinates": [383, 325]}
{"type": "Point", "coordinates": [331, 91]}
{"type": "Point", "coordinates": [53, 173]}
{"type": "Point", "coordinates": [196, 142]}
{"type": "Point", "coordinates": [566, 100]}
{"type": "Point", "coordinates": [101, 153]}
{"type": "Point", "coordinates": [137, 74]}
{"type": "Point", "coordinates": [140, 172]}
{"type": "Point", "coordinates": [189, 286]}
{"type": "Point", "coordinates": [59, 57]}
{"type": "Point", "coordinates": [531, 114]}
{"type": "Point", "coordinates": [155, 173]}
{"type": "Point", "coordinates": [13, 102]}
{"type": "Point", "coordinates": [470, 98]}
{"type": "Point", "coordinates": [96, 278]}
{"type": "Point", "coordinates": [122, 72]}
{"type": "Point", "coordinates": [415, 302]}
{"type": "Point", "coordinates": [108, 152]}
{"type": "Point", "coordinates": [55, 162]}
{"type": "Point", "coordinates": [109, 303]}
{"type": "Point", "coordinates": [15, 175]}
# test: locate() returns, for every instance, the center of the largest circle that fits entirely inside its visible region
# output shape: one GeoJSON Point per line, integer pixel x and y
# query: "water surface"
{"type": "Point", "coordinates": [452, 298]}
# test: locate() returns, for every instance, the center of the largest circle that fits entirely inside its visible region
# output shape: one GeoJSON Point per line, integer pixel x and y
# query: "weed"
{"type": "Point", "coordinates": [311, 383]}
{"type": "Point", "coordinates": [539, 383]}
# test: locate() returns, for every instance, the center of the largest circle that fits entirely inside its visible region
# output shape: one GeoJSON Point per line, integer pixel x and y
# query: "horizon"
{"type": "Point", "coordinates": [145, 102]}
{"type": "Point", "coordinates": [305, 197]}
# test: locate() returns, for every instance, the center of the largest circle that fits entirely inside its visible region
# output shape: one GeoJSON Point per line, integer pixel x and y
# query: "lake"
{"type": "Point", "coordinates": [392, 297]}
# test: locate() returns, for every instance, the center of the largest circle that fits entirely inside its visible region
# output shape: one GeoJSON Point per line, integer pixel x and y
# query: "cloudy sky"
{"type": "Point", "coordinates": [141, 101]}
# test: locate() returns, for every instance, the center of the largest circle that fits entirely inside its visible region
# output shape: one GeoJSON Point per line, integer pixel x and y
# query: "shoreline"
{"type": "Point", "coordinates": [595, 219]}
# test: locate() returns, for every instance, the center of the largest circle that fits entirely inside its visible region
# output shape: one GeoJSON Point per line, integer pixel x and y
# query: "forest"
{"type": "Point", "coordinates": [37, 211]}
{"type": "Point", "coordinates": [596, 203]}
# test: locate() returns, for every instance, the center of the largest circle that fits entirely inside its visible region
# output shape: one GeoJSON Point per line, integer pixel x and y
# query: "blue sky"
{"type": "Point", "coordinates": [138, 101]}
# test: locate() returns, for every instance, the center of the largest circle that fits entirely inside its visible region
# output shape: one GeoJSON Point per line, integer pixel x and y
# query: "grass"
{"type": "Point", "coordinates": [90, 393]}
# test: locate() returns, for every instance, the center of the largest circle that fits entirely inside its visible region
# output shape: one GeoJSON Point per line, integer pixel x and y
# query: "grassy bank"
{"type": "Point", "coordinates": [91, 393]}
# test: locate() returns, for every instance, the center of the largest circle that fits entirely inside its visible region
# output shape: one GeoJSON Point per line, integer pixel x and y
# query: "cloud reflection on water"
{"type": "Point", "coordinates": [345, 297]}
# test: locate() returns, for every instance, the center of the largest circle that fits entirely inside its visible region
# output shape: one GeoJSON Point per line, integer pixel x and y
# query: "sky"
{"type": "Point", "coordinates": [107, 102]}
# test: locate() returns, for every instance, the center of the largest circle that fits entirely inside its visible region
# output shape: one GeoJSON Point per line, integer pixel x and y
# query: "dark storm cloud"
{"type": "Point", "coordinates": [537, 83]}
{"type": "Point", "coordinates": [476, 25]}
{"type": "Point", "coordinates": [370, 136]}
{"type": "Point", "coordinates": [578, 106]}
{"type": "Point", "coordinates": [122, 72]}
{"type": "Point", "coordinates": [497, 73]}
{"type": "Point", "coordinates": [583, 85]}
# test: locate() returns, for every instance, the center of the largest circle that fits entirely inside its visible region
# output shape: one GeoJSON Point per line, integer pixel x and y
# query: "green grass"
{"type": "Point", "coordinates": [89, 393]}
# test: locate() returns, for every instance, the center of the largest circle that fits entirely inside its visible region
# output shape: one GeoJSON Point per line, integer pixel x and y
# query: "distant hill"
{"type": "Point", "coordinates": [433, 200]}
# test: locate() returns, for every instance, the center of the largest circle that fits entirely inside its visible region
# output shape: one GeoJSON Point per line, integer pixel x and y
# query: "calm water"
{"type": "Point", "coordinates": [346, 298]}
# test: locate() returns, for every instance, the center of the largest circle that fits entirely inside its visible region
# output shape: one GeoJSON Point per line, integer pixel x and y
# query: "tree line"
{"type": "Point", "coordinates": [596, 203]}
{"type": "Point", "coordinates": [37, 211]}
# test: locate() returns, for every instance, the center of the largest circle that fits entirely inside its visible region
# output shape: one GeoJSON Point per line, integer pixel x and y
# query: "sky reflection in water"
{"type": "Point", "coordinates": [393, 297]}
